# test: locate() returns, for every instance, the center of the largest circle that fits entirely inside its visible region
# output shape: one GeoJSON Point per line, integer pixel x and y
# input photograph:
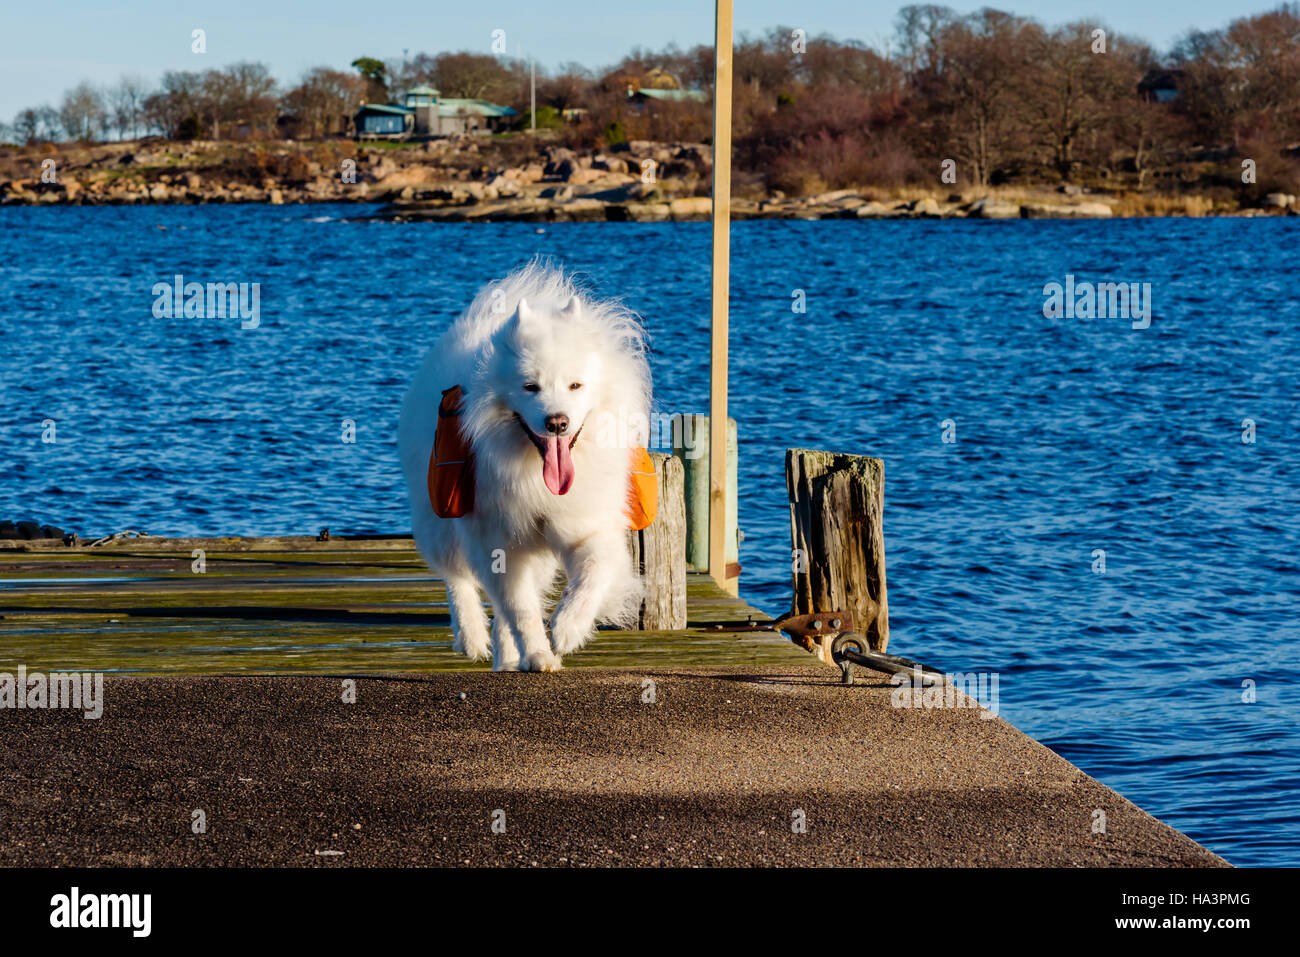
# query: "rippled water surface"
{"type": "Point", "coordinates": [1071, 435]}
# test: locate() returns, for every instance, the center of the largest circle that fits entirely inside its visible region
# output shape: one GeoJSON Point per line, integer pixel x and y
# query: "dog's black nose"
{"type": "Point", "coordinates": [557, 424]}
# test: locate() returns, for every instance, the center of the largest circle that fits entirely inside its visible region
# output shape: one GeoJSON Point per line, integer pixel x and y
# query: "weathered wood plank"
{"type": "Point", "coordinates": [837, 506]}
{"type": "Point", "coordinates": [659, 551]}
{"type": "Point", "coordinates": [262, 606]}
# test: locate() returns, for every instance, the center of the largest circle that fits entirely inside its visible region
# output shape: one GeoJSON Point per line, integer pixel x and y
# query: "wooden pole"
{"type": "Point", "coordinates": [837, 533]}
{"type": "Point", "coordinates": [659, 552]}
{"type": "Point", "coordinates": [721, 281]}
{"type": "Point", "coordinates": [691, 445]}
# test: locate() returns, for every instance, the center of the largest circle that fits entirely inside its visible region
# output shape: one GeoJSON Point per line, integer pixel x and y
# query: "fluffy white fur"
{"type": "Point", "coordinates": [534, 328]}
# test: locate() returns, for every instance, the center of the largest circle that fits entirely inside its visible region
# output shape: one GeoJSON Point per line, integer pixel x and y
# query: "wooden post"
{"type": "Point", "coordinates": [721, 281]}
{"type": "Point", "coordinates": [837, 505]}
{"type": "Point", "coordinates": [659, 552]}
{"type": "Point", "coordinates": [691, 446]}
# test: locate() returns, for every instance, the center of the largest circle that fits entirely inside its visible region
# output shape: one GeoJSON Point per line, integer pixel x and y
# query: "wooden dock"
{"type": "Point", "coordinates": [289, 605]}
{"type": "Point", "coordinates": [684, 748]}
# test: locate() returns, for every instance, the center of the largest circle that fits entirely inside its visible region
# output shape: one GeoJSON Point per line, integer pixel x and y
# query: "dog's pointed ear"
{"type": "Point", "coordinates": [524, 311]}
{"type": "Point", "coordinates": [572, 309]}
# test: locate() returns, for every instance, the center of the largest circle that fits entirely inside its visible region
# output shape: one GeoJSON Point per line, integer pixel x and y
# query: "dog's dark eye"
{"type": "Point", "coordinates": [532, 387]}
{"type": "Point", "coordinates": [575, 386]}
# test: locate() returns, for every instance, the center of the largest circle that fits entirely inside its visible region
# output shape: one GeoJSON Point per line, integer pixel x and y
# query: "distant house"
{"type": "Point", "coordinates": [655, 85]}
{"type": "Point", "coordinates": [1160, 86]}
{"type": "Point", "coordinates": [426, 113]}
{"type": "Point", "coordinates": [646, 94]}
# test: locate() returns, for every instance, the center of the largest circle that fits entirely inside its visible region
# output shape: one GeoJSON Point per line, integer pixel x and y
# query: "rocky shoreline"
{"type": "Point", "coordinates": [476, 180]}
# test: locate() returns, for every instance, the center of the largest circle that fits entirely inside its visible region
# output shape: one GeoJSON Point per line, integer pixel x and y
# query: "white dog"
{"type": "Point", "coordinates": [557, 393]}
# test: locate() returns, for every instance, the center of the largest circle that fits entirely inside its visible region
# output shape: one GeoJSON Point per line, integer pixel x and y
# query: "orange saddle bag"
{"type": "Point", "coordinates": [642, 490]}
{"type": "Point", "coordinates": [451, 464]}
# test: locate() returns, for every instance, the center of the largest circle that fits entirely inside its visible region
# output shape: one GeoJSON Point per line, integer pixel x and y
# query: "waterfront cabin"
{"type": "Point", "coordinates": [426, 114]}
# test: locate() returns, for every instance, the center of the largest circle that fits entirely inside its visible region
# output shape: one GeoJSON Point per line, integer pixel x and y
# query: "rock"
{"type": "Point", "coordinates": [926, 207]}
{"type": "Point", "coordinates": [193, 180]}
{"type": "Point", "coordinates": [51, 531]}
{"type": "Point", "coordinates": [8, 531]}
{"type": "Point", "coordinates": [1065, 211]}
{"type": "Point", "coordinates": [648, 212]}
{"type": "Point", "coordinates": [581, 211]}
{"type": "Point", "coordinates": [691, 207]}
{"type": "Point", "coordinates": [992, 208]}
{"type": "Point", "coordinates": [410, 176]}
{"type": "Point", "coordinates": [560, 165]}
{"type": "Point", "coordinates": [558, 193]}
{"type": "Point", "coordinates": [873, 210]}
{"type": "Point", "coordinates": [158, 192]}
{"type": "Point", "coordinates": [276, 198]}
{"type": "Point", "coordinates": [1090, 211]}
{"type": "Point", "coordinates": [628, 192]}
{"type": "Point", "coordinates": [29, 531]}
{"type": "Point", "coordinates": [1071, 190]}
{"type": "Point", "coordinates": [822, 199]}
{"type": "Point", "coordinates": [582, 177]}
{"type": "Point", "coordinates": [1278, 200]}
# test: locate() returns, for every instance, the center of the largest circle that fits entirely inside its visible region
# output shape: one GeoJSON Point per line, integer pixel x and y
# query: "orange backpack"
{"type": "Point", "coordinates": [451, 464]}
{"type": "Point", "coordinates": [642, 491]}
{"type": "Point", "coordinates": [451, 470]}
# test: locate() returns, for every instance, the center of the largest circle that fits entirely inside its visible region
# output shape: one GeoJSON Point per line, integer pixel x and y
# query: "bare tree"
{"type": "Point", "coordinates": [975, 91]}
{"type": "Point", "coordinates": [1074, 87]}
{"type": "Point", "coordinates": [324, 99]}
{"type": "Point", "coordinates": [176, 102]}
{"type": "Point", "coordinates": [82, 112]}
{"type": "Point", "coordinates": [471, 75]}
{"type": "Point", "coordinates": [126, 104]}
{"type": "Point", "coordinates": [27, 126]}
{"type": "Point", "coordinates": [918, 30]}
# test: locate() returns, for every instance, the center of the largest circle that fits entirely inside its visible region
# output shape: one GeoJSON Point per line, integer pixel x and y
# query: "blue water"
{"type": "Point", "coordinates": [1071, 435]}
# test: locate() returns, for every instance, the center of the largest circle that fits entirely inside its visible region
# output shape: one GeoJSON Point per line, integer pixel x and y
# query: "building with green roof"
{"type": "Point", "coordinates": [426, 113]}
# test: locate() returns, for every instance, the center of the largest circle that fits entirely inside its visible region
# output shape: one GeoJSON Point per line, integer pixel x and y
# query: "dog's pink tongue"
{"type": "Point", "coordinates": [557, 465]}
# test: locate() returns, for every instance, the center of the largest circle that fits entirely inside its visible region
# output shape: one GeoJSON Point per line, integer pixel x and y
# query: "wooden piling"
{"type": "Point", "coordinates": [691, 445]}
{"type": "Point", "coordinates": [722, 53]}
{"type": "Point", "coordinates": [837, 506]}
{"type": "Point", "coordinates": [659, 551]}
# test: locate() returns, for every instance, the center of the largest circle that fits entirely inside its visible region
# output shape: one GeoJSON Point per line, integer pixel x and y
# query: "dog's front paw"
{"type": "Point", "coordinates": [567, 635]}
{"type": "Point", "coordinates": [544, 661]}
{"type": "Point", "coordinates": [473, 647]}
{"type": "Point", "coordinates": [510, 664]}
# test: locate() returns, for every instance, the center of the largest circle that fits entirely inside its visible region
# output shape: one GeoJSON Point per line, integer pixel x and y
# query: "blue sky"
{"type": "Point", "coordinates": [47, 47]}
